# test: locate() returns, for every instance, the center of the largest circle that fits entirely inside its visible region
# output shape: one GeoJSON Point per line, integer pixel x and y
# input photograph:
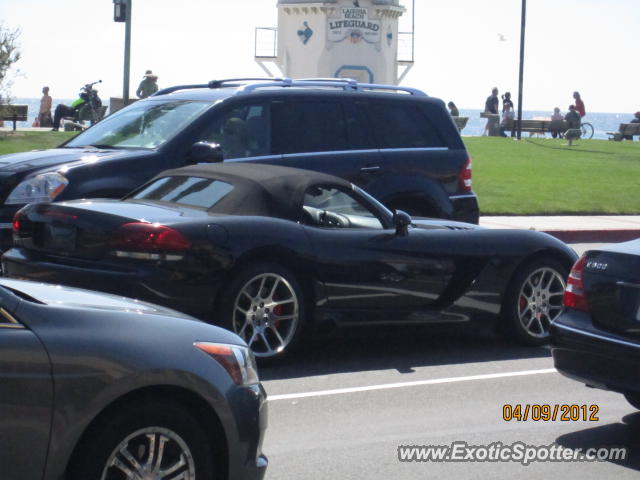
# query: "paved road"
{"type": "Point", "coordinates": [341, 408]}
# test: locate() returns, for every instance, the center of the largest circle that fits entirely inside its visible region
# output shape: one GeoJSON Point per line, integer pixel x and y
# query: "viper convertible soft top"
{"type": "Point", "coordinates": [258, 189]}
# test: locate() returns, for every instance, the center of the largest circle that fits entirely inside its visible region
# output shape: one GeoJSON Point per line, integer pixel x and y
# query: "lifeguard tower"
{"type": "Point", "coordinates": [356, 39]}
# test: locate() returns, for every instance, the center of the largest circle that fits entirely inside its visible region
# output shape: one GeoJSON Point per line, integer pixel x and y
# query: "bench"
{"type": "Point", "coordinates": [460, 122]}
{"type": "Point", "coordinates": [625, 130]}
{"type": "Point", "coordinates": [538, 126]}
{"type": "Point", "coordinates": [14, 113]}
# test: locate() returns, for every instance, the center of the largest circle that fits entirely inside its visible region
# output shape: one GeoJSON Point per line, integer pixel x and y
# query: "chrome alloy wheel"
{"type": "Point", "coordinates": [540, 301]}
{"type": "Point", "coordinates": [265, 314]}
{"type": "Point", "coordinates": [152, 453]}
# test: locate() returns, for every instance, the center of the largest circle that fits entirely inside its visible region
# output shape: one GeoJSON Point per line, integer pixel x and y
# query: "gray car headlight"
{"type": "Point", "coordinates": [41, 188]}
{"type": "Point", "coordinates": [238, 361]}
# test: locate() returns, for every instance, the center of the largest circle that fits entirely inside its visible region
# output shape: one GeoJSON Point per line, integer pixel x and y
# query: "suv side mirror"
{"type": "Point", "coordinates": [401, 220]}
{"type": "Point", "coordinates": [203, 152]}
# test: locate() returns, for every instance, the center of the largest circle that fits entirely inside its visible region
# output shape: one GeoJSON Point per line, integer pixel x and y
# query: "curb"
{"type": "Point", "coordinates": [594, 236]}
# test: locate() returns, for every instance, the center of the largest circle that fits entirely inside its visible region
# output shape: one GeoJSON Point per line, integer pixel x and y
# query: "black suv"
{"type": "Point", "coordinates": [397, 143]}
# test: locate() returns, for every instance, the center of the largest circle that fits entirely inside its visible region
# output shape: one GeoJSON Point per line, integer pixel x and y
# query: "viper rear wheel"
{"type": "Point", "coordinates": [534, 300]}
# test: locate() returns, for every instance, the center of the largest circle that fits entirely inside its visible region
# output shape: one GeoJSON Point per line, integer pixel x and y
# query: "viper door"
{"type": "Point", "coordinates": [363, 263]}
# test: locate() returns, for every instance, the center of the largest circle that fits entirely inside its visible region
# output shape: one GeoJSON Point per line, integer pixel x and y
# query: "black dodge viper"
{"type": "Point", "coordinates": [269, 251]}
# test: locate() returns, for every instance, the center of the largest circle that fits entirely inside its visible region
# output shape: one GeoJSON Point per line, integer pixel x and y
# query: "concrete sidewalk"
{"type": "Point", "coordinates": [574, 229]}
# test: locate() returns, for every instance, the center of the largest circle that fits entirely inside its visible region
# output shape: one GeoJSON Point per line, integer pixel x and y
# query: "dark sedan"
{"type": "Point", "coordinates": [272, 249]}
{"type": "Point", "coordinates": [94, 386]}
{"type": "Point", "coordinates": [596, 340]}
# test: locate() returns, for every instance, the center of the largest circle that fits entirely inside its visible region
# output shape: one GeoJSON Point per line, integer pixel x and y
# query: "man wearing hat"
{"type": "Point", "coordinates": [148, 85]}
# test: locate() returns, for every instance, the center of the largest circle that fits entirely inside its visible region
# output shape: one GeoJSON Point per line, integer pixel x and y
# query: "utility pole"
{"type": "Point", "coordinates": [523, 22]}
{"type": "Point", "coordinates": [127, 52]}
{"type": "Point", "coordinates": [122, 13]}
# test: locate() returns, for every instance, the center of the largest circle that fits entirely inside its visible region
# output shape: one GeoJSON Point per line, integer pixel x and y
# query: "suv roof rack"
{"type": "Point", "coordinates": [343, 83]}
{"type": "Point", "coordinates": [257, 83]}
{"type": "Point", "coordinates": [217, 84]}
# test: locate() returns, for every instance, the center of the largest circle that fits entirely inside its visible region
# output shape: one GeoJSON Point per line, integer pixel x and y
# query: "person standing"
{"type": "Point", "coordinates": [506, 102]}
{"type": "Point", "coordinates": [44, 115]}
{"type": "Point", "coordinates": [148, 86]}
{"type": "Point", "coordinates": [492, 103]}
{"type": "Point", "coordinates": [579, 104]}
{"type": "Point", "coordinates": [491, 106]}
{"type": "Point", "coordinates": [508, 117]}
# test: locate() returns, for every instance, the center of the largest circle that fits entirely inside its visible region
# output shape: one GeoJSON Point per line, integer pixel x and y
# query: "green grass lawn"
{"type": "Point", "coordinates": [530, 177]}
{"type": "Point", "coordinates": [543, 176]}
{"type": "Point", "coordinates": [12, 142]}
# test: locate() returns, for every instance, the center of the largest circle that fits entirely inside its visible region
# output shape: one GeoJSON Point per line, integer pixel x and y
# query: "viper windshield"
{"type": "Point", "coordinates": [147, 124]}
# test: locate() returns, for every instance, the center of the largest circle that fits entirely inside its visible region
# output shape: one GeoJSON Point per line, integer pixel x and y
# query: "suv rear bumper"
{"type": "Point", "coordinates": [465, 208]}
{"type": "Point", "coordinates": [593, 356]}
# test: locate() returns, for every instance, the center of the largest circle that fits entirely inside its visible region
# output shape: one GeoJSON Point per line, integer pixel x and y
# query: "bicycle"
{"type": "Point", "coordinates": [587, 130]}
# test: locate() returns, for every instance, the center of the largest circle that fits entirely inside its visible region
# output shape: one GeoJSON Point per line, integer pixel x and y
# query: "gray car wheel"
{"type": "Point", "coordinates": [155, 441]}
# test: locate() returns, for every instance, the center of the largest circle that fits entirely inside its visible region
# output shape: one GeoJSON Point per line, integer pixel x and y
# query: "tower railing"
{"type": "Point", "coordinates": [266, 42]}
{"type": "Point", "coordinates": [405, 47]}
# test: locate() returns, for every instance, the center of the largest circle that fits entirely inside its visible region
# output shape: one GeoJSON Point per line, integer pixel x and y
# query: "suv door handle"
{"type": "Point", "coordinates": [370, 169]}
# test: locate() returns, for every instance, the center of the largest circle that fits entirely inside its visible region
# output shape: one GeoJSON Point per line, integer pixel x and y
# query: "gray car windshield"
{"type": "Point", "coordinates": [146, 124]}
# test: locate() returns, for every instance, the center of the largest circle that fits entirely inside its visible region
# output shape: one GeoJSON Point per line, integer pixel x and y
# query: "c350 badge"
{"type": "Point", "coordinates": [591, 265]}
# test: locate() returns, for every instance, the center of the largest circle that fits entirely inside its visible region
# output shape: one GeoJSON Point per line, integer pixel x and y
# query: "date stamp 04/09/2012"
{"type": "Point", "coordinates": [544, 412]}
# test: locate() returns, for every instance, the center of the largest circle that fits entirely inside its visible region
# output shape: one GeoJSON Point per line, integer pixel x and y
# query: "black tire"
{"type": "Point", "coordinates": [529, 306]}
{"type": "Point", "coordinates": [633, 398]}
{"type": "Point", "coordinates": [270, 315]}
{"type": "Point", "coordinates": [171, 425]}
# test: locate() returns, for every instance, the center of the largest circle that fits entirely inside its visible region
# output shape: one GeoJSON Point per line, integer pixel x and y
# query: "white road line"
{"type": "Point", "coordinates": [417, 383]}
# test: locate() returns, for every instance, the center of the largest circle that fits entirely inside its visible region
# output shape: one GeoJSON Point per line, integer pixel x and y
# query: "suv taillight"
{"type": "Point", "coordinates": [574, 292]}
{"type": "Point", "coordinates": [464, 178]}
{"type": "Point", "coordinates": [149, 241]}
{"type": "Point", "coordinates": [16, 222]}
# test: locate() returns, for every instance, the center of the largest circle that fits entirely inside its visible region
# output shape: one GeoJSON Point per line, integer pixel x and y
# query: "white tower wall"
{"type": "Point", "coordinates": [339, 38]}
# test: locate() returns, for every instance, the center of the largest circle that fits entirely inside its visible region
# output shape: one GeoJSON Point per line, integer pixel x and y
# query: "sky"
{"type": "Point", "coordinates": [584, 45]}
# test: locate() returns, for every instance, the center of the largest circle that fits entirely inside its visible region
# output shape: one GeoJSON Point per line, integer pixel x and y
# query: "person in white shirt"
{"type": "Point", "coordinates": [508, 116]}
{"type": "Point", "coordinates": [557, 128]}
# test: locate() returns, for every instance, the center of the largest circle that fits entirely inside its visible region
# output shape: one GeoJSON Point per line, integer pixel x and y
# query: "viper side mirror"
{"type": "Point", "coordinates": [401, 221]}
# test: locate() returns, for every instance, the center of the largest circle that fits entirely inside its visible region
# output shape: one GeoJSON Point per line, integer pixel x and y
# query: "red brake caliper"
{"type": "Point", "coordinates": [277, 311]}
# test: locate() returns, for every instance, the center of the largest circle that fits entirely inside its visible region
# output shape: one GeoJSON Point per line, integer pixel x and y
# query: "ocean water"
{"type": "Point", "coordinates": [602, 122]}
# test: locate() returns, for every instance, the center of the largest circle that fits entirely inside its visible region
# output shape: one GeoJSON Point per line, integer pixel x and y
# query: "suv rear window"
{"type": "Point", "coordinates": [402, 126]}
{"type": "Point", "coordinates": [306, 126]}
